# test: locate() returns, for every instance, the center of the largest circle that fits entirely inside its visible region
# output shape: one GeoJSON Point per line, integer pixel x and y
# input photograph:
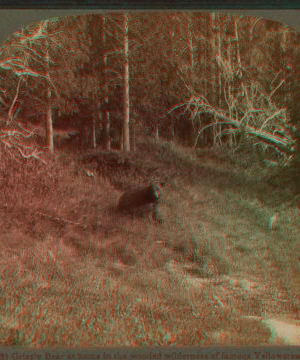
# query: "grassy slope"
{"type": "Point", "coordinates": [74, 272]}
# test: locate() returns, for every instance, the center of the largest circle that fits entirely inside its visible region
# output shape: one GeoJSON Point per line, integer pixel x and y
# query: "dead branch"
{"type": "Point", "coordinates": [13, 139]}
{"type": "Point", "coordinates": [273, 92]}
{"type": "Point", "coordinates": [10, 111]}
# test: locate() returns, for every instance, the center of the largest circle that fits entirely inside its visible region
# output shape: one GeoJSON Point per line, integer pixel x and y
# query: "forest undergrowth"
{"type": "Point", "coordinates": [75, 272]}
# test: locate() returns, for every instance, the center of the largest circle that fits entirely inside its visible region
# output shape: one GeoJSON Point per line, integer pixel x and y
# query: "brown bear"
{"type": "Point", "coordinates": [143, 200]}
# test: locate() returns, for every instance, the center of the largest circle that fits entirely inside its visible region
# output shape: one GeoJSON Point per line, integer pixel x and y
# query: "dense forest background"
{"type": "Point", "coordinates": [197, 78]}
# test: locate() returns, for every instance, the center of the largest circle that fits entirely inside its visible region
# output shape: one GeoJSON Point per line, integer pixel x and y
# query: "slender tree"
{"type": "Point", "coordinates": [106, 112]}
{"type": "Point", "coordinates": [125, 133]}
{"type": "Point", "coordinates": [48, 123]}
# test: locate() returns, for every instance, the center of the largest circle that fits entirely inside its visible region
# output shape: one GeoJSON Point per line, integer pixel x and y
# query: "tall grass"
{"type": "Point", "coordinates": [75, 272]}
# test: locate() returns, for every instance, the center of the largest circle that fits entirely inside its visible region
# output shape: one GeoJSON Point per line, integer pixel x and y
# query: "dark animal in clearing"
{"type": "Point", "coordinates": [142, 200]}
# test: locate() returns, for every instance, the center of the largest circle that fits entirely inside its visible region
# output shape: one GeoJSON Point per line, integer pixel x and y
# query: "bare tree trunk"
{"type": "Point", "coordinates": [49, 124]}
{"type": "Point", "coordinates": [171, 57]}
{"type": "Point", "coordinates": [126, 142]}
{"type": "Point", "coordinates": [107, 130]}
{"type": "Point", "coordinates": [133, 136]}
{"type": "Point", "coordinates": [220, 54]}
{"type": "Point", "coordinates": [216, 69]}
{"type": "Point", "coordinates": [94, 133]}
{"type": "Point", "coordinates": [156, 131]}
{"type": "Point", "coordinates": [205, 56]}
{"type": "Point", "coordinates": [106, 102]}
{"type": "Point", "coordinates": [190, 44]}
{"type": "Point", "coordinates": [122, 139]}
{"type": "Point", "coordinates": [192, 72]}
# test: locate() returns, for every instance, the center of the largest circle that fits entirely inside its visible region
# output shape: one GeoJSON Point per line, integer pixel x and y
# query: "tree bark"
{"type": "Point", "coordinates": [106, 102]}
{"type": "Point", "coordinates": [49, 123]}
{"type": "Point", "coordinates": [107, 130]}
{"type": "Point", "coordinates": [94, 133]}
{"type": "Point", "coordinates": [126, 142]}
{"type": "Point", "coordinates": [156, 131]}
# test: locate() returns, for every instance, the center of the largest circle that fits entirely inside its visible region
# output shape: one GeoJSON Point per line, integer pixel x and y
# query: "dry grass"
{"type": "Point", "coordinates": [74, 272]}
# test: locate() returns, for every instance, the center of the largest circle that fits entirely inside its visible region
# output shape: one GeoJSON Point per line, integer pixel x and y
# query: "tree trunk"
{"type": "Point", "coordinates": [133, 136]}
{"type": "Point", "coordinates": [126, 142]}
{"type": "Point", "coordinates": [218, 68]}
{"type": "Point", "coordinates": [49, 124]}
{"type": "Point", "coordinates": [107, 130]}
{"type": "Point", "coordinates": [122, 139]}
{"type": "Point", "coordinates": [156, 131]}
{"type": "Point", "coordinates": [191, 48]}
{"type": "Point", "coordinates": [190, 44]}
{"type": "Point", "coordinates": [106, 93]}
{"type": "Point", "coordinates": [94, 133]}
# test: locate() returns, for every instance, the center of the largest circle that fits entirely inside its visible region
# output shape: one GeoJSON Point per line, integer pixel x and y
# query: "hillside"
{"type": "Point", "coordinates": [223, 268]}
